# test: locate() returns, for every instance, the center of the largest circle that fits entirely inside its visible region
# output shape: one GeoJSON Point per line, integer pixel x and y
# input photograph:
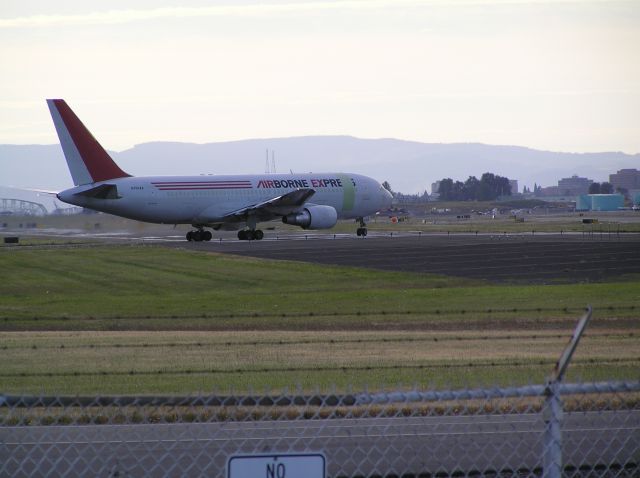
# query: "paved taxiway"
{"type": "Point", "coordinates": [352, 446]}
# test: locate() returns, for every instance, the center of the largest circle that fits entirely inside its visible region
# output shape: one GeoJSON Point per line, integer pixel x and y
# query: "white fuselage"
{"type": "Point", "coordinates": [209, 199]}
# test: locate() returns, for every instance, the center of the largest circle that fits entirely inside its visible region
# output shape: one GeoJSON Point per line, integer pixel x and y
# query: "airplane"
{"type": "Point", "coordinates": [228, 202]}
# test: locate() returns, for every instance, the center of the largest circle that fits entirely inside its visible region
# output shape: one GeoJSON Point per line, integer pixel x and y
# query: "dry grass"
{"type": "Point", "coordinates": [68, 415]}
{"type": "Point", "coordinates": [87, 362]}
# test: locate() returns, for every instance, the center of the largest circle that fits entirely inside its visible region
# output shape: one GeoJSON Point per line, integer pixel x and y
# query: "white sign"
{"type": "Point", "coordinates": [298, 465]}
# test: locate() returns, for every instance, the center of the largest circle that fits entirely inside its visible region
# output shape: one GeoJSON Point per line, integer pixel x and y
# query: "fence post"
{"type": "Point", "coordinates": [552, 415]}
{"type": "Point", "coordinates": [552, 411]}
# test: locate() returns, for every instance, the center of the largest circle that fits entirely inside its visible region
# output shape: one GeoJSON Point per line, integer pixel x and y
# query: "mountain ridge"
{"type": "Point", "coordinates": [410, 166]}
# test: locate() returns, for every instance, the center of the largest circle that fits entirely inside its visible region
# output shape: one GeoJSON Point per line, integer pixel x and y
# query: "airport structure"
{"type": "Point", "coordinates": [21, 207]}
{"type": "Point", "coordinates": [599, 202]}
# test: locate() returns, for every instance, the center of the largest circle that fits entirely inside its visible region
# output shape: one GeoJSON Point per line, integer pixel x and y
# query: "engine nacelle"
{"type": "Point", "coordinates": [313, 217]}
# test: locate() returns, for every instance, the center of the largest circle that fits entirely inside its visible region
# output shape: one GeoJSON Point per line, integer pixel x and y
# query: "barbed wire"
{"type": "Point", "coordinates": [344, 368]}
{"type": "Point", "coordinates": [357, 313]}
{"type": "Point", "coordinates": [382, 340]}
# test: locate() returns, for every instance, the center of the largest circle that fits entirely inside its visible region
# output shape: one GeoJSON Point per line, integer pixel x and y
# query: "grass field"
{"type": "Point", "coordinates": [180, 362]}
{"type": "Point", "coordinates": [140, 319]}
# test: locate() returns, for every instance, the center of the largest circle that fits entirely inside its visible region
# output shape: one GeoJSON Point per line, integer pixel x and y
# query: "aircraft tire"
{"type": "Point", "coordinates": [258, 234]}
{"type": "Point", "coordinates": [197, 236]}
{"type": "Point", "coordinates": [190, 236]}
{"type": "Point", "coordinates": [206, 235]}
{"type": "Point", "coordinates": [242, 235]}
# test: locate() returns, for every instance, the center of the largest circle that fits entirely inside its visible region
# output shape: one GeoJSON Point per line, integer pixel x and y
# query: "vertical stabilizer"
{"type": "Point", "coordinates": [88, 161]}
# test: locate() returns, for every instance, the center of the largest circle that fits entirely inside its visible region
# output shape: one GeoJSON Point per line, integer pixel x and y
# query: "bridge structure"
{"type": "Point", "coordinates": [21, 207]}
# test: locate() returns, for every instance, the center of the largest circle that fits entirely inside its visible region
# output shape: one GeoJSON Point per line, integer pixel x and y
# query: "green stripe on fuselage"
{"type": "Point", "coordinates": [349, 192]}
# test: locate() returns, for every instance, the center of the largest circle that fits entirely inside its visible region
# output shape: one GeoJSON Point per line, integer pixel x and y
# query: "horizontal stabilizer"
{"type": "Point", "coordinates": [104, 191]}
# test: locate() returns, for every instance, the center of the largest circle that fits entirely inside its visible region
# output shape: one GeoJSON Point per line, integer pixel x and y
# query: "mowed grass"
{"type": "Point", "coordinates": [140, 281]}
{"type": "Point", "coordinates": [144, 287]}
{"type": "Point", "coordinates": [144, 319]}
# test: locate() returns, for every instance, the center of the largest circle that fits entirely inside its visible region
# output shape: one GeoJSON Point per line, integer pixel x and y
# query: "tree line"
{"type": "Point", "coordinates": [488, 188]}
{"type": "Point", "coordinates": [601, 188]}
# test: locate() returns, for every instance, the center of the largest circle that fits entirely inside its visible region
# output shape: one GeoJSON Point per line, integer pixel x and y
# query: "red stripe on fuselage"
{"type": "Point", "coordinates": [191, 188]}
{"type": "Point", "coordinates": [221, 183]}
{"type": "Point", "coordinates": [98, 162]}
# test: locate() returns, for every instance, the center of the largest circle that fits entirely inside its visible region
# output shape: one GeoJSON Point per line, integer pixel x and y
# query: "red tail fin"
{"type": "Point", "coordinates": [87, 160]}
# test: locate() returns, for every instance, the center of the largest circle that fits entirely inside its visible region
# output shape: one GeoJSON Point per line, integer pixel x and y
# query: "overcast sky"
{"type": "Point", "coordinates": [556, 75]}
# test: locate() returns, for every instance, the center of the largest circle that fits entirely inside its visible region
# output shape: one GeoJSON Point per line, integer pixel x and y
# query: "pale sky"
{"type": "Point", "coordinates": [557, 75]}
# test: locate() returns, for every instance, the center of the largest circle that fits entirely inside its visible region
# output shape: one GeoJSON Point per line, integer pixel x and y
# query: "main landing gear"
{"type": "Point", "coordinates": [250, 235]}
{"type": "Point", "coordinates": [199, 235]}
{"type": "Point", "coordinates": [362, 230]}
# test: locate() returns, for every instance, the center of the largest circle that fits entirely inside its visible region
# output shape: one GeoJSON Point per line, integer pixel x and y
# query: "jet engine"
{"type": "Point", "coordinates": [313, 217]}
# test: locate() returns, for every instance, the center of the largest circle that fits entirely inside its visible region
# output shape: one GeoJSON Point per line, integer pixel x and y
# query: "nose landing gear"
{"type": "Point", "coordinates": [362, 230]}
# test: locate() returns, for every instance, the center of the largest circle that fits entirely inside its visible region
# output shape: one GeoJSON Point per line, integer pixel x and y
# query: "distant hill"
{"type": "Point", "coordinates": [409, 166]}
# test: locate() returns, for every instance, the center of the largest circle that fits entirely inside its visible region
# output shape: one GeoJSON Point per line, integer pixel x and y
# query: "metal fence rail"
{"type": "Point", "coordinates": [492, 432]}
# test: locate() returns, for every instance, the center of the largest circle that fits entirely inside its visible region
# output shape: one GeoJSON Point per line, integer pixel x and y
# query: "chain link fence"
{"type": "Point", "coordinates": [492, 432]}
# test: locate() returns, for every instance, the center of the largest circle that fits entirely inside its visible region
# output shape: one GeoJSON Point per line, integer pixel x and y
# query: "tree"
{"type": "Point", "coordinates": [537, 190]}
{"type": "Point", "coordinates": [446, 189]}
{"type": "Point", "coordinates": [601, 188]}
{"type": "Point", "coordinates": [487, 188]}
{"type": "Point", "coordinates": [606, 188]}
{"type": "Point", "coordinates": [458, 191]}
{"type": "Point", "coordinates": [472, 187]}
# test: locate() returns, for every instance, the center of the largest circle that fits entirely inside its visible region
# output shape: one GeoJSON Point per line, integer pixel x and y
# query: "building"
{"type": "Point", "coordinates": [626, 179]}
{"type": "Point", "coordinates": [549, 191]}
{"type": "Point", "coordinates": [514, 186]}
{"type": "Point", "coordinates": [435, 187]}
{"type": "Point", "coordinates": [566, 188]}
{"type": "Point", "coordinates": [574, 186]}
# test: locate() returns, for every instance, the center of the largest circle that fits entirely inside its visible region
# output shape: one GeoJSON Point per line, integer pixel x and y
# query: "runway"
{"type": "Point", "coordinates": [352, 447]}
{"type": "Point", "coordinates": [499, 258]}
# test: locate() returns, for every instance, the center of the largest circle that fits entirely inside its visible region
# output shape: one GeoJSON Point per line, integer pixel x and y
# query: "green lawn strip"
{"type": "Point", "coordinates": [444, 224]}
{"type": "Point", "coordinates": [141, 282]}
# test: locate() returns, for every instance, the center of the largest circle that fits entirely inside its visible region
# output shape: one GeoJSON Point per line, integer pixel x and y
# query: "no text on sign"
{"type": "Point", "coordinates": [295, 465]}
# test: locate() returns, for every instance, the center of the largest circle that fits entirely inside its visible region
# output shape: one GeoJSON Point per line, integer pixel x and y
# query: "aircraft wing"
{"type": "Point", "coordinates": [275, 207]}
